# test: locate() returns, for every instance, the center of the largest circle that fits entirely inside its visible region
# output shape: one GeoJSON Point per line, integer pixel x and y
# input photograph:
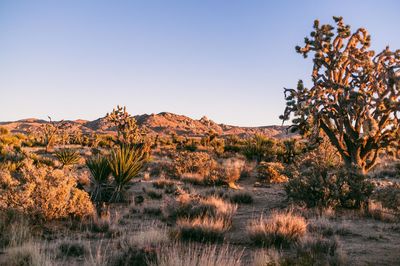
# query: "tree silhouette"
{"type": "Point", "coordinates": [354, 98]}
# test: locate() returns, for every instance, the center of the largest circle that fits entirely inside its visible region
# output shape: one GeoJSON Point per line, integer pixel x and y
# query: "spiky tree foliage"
{"type": "Point", "coordinates": [100, 171]}
{"type": "Point", "coordinates": [355, 95]}
{"type": "Point", "coordinates": [50, 131]}
{"type": "Point", "coordinates": [290, 149]}
{"type": "Point", "coordinates": [67, 157]}
{"type": "Point", "coordinates": [127, 129]}
{"type": "Point", "coordinates": [125, 163]}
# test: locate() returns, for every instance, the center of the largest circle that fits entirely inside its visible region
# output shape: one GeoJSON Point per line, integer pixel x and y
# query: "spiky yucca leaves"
{"type": "Point", "coordinates": [125, 163]}
{"type": "Point", "coordinates": [100, 170]}
{"type": "Point", "coordinates": [67, 157]}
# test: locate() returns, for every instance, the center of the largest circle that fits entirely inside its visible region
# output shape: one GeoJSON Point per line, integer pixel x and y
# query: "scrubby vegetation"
{"type": "Point", "coordinates": [124, 196]}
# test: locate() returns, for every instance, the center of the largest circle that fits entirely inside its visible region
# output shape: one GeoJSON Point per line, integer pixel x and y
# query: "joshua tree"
{"type": "Point", "coordinates": [127, 130]}
{"type": "Point", "coordinates": [355, 95]}
{"type": "Point", "coordinates": [50, 132]}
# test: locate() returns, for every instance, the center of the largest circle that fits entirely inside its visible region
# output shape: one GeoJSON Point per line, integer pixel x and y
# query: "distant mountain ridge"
{"type": "Point", "coordinates": [164, 123]}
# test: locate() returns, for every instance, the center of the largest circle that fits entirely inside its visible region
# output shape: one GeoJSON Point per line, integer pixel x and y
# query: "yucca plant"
{"type": "Point", "coordinates": [125, 162]}
{"type": "Point", "coordinates": [67, 157]}
{"type": "Point", "coordinates": [100, 171]}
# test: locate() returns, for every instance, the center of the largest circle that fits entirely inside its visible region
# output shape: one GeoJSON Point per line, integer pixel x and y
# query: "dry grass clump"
{"type": "Point", "coordinates": [191, 206]}
{"type": "Point", "coordinates": [72, 249]}
{"type": "Point", "coordinates": [169, 186]}
{"type": "Point", "coordinates": [194, 178]}
{"type": "Point", "coordinates": [141, 248]}
{"type": "Point", "coordinates": [318, 251]}
{"type": "Point", "coordinates": [389, 197]}
{"type": "Point", "coordinates": [322, 226]}
{"type": "Point", "coordinates": [266, 257]}
{"type": "Point", "coordinates": [387, 170]}
{"type": "Point", "coordinates": [14, 229]}
{"type": "Point", "coordinates": [153, 193]}
{"type": "Point", "coordinates": [215, 207]}
{"type": "Point", "coordinates": [151, 236]}
{"type": "Point", "coordinates": [203, 229]}
{"type": "Point", "coordinates": [30, 253]}
{"type": "Point", "coordinates": [271, 173]}
{"type": "Point", "coordinates": [195, 254]}
{"type": "Point", "coordinates": [43, 192]}
{"type": "Point", "coordinates": [280, 229]}
{"type": "Point", "coordinates": [201, 219]}
{"type": "Point", "coordinates": [241, 197]}
{"type": "Point", "coordinates": [376, 211]}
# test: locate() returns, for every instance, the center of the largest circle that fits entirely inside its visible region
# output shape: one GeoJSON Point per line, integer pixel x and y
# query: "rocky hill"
{"type": "Point", "coordinates": [163, 123]}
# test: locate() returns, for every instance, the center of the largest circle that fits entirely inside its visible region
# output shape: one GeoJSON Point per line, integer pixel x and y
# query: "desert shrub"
{"type": "Point", "coordinates": [204, 229]}
{"type": "Point", "coordinates": [234, 144]}
{"type": "Point", "coordinates": [324, 155]}
{"type": "Point", "coordinates": [280, 229]}
{"type": "Point", "coordinates": [389, 197]}
{"type": "Point", "coordinates": [41, 160]}
{"type": "Point", "coordinates": [192, 162]}
{"type": "Point", "coordinates": [260, 148]}
{"type": "Point", "coordinates": [125, 163]}
{"type": "Point", "coordinates": [218, 145]}
{"type": "Point", "coordinates": [44, 193]}
{"type": "Point", "coordinates": [11, 159]}
{"type": "Point", "coordinates": [191, 145]}
{"type": "Point", "coordinates": [67, 157]}
{"type": "Point", "coordinates": [4, 131]}
{"type": "Point", "coordinates": [324, 187]}
{"type": "Point", "coordinates": [241, 197]}
{"type": "Point", "coordinates": [231, 170]}
{"type": "Point", "coordinates": [271, 173]}
{"type": "Point", "coordinates": [289, 150]}
{"type": "Point", "coordinates": [100, 172]}
{"type": "Point", "coordinates": [195, 254]}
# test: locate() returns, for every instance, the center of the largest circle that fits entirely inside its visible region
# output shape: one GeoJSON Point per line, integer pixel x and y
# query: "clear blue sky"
{"type": "Point", "coordinates": [228, 60]}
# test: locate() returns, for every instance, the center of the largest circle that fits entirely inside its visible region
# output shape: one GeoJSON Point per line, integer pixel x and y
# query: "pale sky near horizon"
{"type": "Point", "coordinates": [228, 60]}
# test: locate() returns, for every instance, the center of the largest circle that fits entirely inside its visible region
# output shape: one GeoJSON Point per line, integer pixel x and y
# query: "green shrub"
{"type": "Point", "coordinates": [125, 163]}
{"type": "Point", "coordinates": [260, 148]}
{"type": "Point", "coordinates": [100, 172]}
{"type": "Point", "coordinates": [324, 187]}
